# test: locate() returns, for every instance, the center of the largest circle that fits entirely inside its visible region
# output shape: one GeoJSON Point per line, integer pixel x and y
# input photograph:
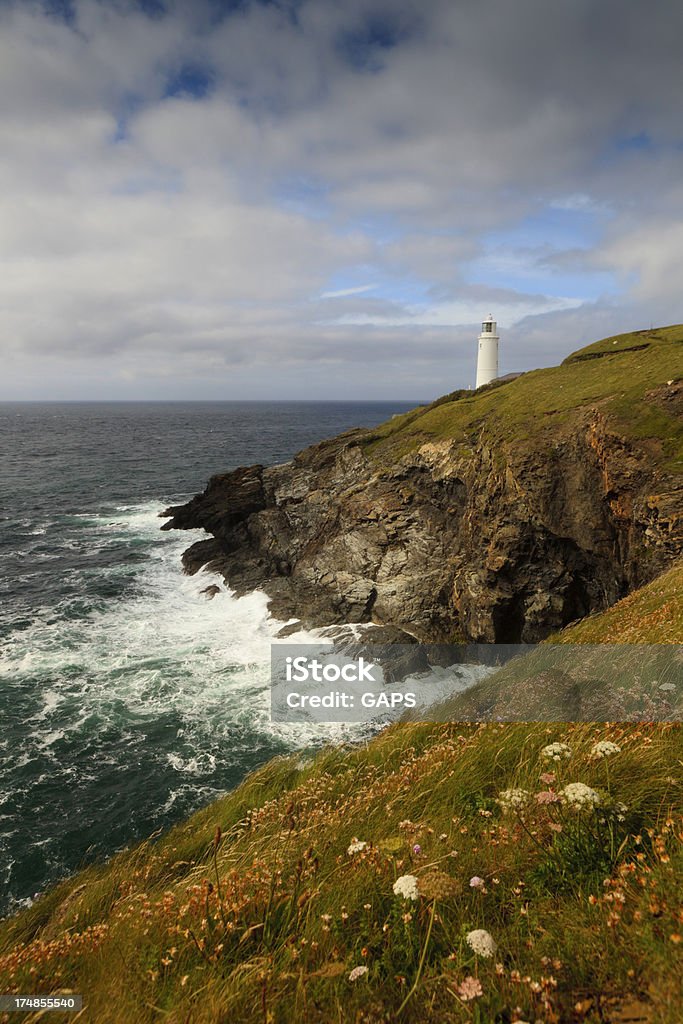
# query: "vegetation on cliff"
{"type": "Point", "coordinates": [651, 615]}
{"type": "Point", "coordinates": [497, 515]}
{"type": "Point", "coordinates": [459, 872]}
{"type": "Point", "coordinates": [621, 665]}
{"type": "Point", "coordinates": [282, 901]}
{"type": "Point", "coordinates": [633, 379]}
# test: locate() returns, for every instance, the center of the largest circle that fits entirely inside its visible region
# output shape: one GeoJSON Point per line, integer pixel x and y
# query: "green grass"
{"type": "Point", "coordinates": [651, 615]}
{"type": "Point", "coordinates": [266, 919]}
{"type": "Point", "coordinates": [605, 682]}
{"type": "Point", "coordinates": [547, 404]}
{"type": "Point", "coordinates": [254, 910]}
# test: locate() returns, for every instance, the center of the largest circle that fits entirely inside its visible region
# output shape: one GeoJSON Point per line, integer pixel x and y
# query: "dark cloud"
{"type": "Point", "coordinates": [183, 183]}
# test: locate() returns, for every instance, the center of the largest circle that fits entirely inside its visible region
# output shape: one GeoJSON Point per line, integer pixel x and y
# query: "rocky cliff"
{"type": "Point", "coordinates": [499, 515]}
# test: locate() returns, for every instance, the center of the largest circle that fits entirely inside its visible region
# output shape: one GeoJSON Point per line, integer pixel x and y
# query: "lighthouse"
{"type": "Point", "coordinates": [487, 356]}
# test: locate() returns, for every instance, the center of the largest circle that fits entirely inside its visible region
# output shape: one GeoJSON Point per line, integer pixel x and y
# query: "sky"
{"type": "Point", "coordinates": [308, 199]}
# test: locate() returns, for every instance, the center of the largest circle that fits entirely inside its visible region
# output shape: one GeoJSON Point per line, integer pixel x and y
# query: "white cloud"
{"type": "Point", "coordinates": [144, 237]}
{"type": "Point", "coordinates": [342, 293]}
{"type": "Point", "coordinates": [452, 314]}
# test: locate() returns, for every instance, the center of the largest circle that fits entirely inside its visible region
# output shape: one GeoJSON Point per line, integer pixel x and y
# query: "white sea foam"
{"type": "Point", "coordinates": [163, 647]}
{"type": "Point", "coordinates": [139, 706]}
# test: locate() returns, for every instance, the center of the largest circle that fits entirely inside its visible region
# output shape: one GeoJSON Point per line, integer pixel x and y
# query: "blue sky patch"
{"type": "Point", "coordinates": [364, 46]}
{"type": "Point", "coordinates": [189, 80]}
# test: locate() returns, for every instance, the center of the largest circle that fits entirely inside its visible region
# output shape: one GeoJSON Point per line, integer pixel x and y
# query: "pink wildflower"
{"type": "Point", "coordinates": [470, 988]}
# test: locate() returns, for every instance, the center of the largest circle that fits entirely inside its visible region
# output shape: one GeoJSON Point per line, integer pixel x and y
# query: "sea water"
{"type": "Point", "coordinates": [127, 699]}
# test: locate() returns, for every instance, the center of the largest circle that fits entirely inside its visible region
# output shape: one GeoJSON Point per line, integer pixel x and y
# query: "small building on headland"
{"type": "Point", "coordinates": [487, 354]}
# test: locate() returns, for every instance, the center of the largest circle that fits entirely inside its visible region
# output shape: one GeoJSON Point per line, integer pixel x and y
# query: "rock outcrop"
{"type": "Point", "coordinates": [457, 538]}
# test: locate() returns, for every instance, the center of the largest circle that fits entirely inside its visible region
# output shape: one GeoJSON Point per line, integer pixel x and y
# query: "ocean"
{"type": "Point", "coordinates": [127, 700]}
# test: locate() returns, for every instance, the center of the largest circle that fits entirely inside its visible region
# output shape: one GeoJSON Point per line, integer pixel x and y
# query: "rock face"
{"type": "Point", "coordinates": [489, 544]}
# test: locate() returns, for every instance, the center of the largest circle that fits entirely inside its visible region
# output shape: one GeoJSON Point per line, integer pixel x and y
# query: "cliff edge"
{"type": "Point", "coordinates": [495, 516]}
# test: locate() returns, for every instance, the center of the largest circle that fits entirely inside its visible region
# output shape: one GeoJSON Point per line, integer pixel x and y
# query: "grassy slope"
{"type": "Point", "coordinates": [187, 930]}
{"type": "Point", "coordinates": [196, 928]}
{"type": "Point", "coordinates": [652, 615]}
{"type": "Point", "coordinates": [614, 374]}
{"type": "Point", "coordinates": [542, 685]}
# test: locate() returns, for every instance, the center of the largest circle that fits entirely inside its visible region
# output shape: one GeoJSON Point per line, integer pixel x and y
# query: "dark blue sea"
{"type": "Point", "coordinates": [127, 700]}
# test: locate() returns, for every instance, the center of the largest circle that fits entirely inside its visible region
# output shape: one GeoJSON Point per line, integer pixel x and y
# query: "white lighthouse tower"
{"type": "Point", "coordinates": [487, 356]}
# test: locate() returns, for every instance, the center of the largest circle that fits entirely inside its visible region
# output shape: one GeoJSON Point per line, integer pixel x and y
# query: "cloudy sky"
{"type": "Point", "coordinates": [314, 198]}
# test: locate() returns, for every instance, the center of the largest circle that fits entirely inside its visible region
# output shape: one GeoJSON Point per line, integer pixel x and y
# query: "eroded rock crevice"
{"type": "Point", "coordinates": [485, 543]}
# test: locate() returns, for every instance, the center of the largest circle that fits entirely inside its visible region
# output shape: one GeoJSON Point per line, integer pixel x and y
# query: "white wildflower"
{"type": "Point", "coordinates": [356, 846]}
{"type": "Point", "coordinates": [482, 942]}
{"type": "Point", "coordinates": [605, 748]}
{"type": "Point", "coordinates": [514, 799]}
{"type": "Point", "coordinates": [557, 752]}
{"type": "Point", "coordinates": [358, 972]}
{"type": "Point", "coordinates": [406, 886]}
{"type": "Point", "coordinates": [579, 795]}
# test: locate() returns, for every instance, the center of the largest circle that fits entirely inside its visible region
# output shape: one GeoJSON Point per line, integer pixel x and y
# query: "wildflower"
{"type": "Point", "coordinates": [482, 942]}
{"type": "Point", "coordinates": [470, 988]}
{"type": "Point", "coordinates": [476, 882]}
{"type": "Point", "coordinates": [580, 796]}
{"type": "Point", "coordinates": [513, 799]}
{"type": "Point", "coordinates": [557, 752]}
{"type": "Point", "coordinates": [547, 777]}
{"type": "Point", "coordinates": [356, 846]}
{"type": "Point", "coordinates": [605, 748]}
{"type": "Point", "coordinates": [406, 886]}
{"type": "Point", "coordinates": [417, 848]}
{"type": "Point", "coordinates": [358, 972]}
{"type": "Point", "coordinates": [436, 885]}
{"type": "Point", "coordinates": [548, 796]}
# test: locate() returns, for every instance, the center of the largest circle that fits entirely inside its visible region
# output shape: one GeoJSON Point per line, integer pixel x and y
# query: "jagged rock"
{"type": "Point", "coordinates": [452, 540]}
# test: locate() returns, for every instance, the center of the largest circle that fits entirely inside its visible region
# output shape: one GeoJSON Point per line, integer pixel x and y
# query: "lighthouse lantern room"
{"type": "Point", "coordinates": [487, 355]}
